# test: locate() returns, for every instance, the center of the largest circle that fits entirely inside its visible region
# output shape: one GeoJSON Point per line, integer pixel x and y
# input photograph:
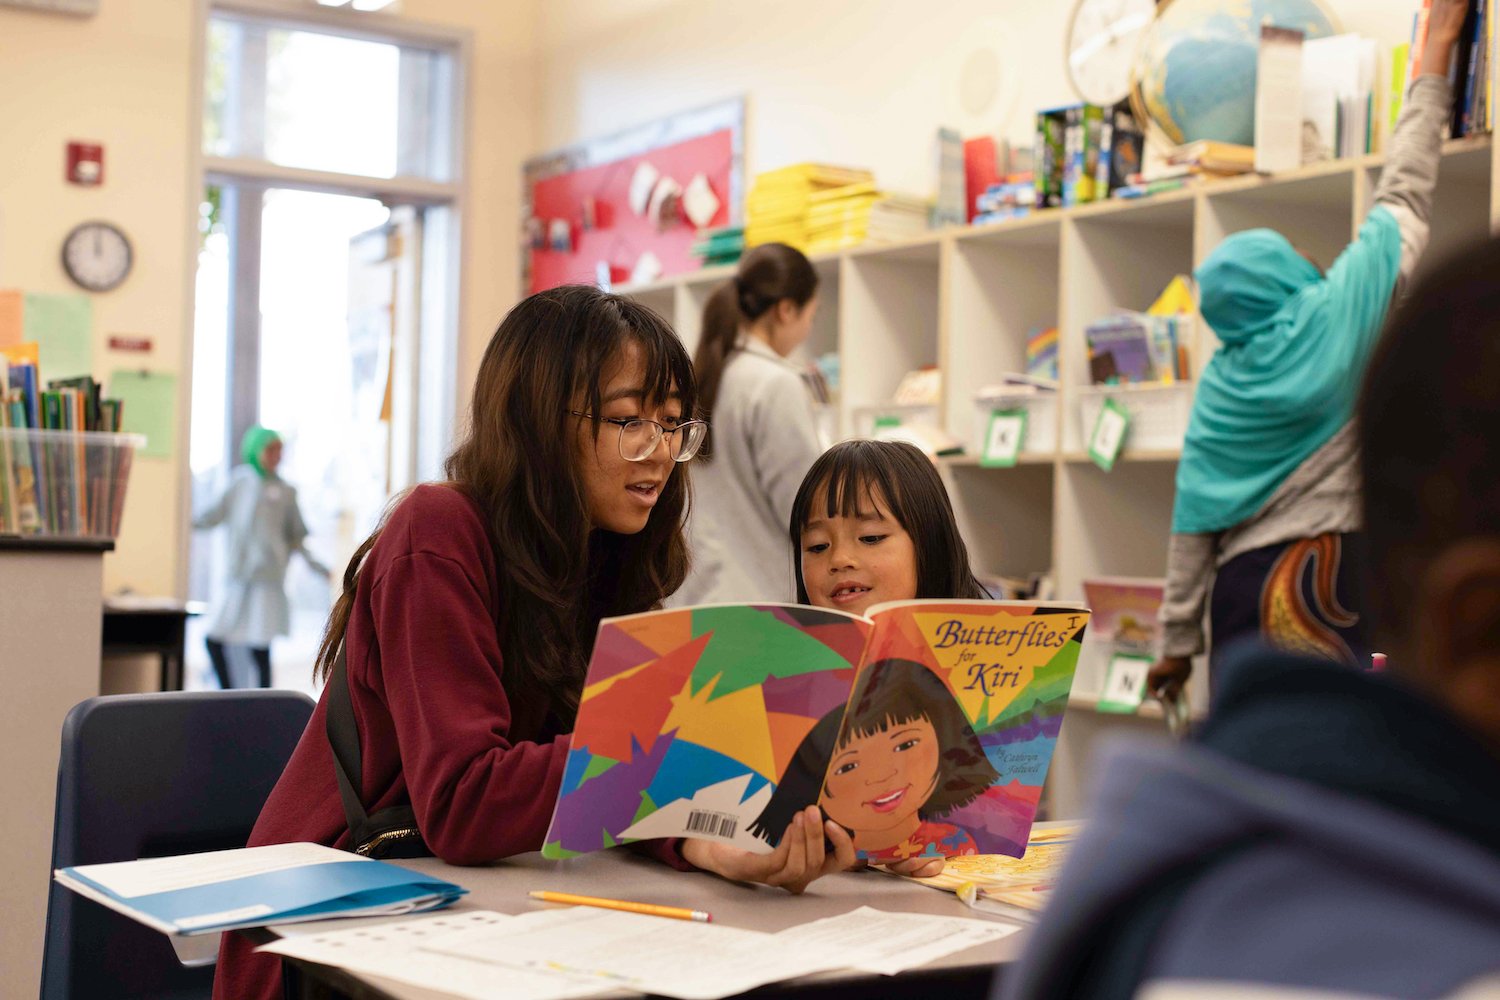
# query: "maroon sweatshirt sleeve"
{"type": "Point", "coordinates": [478, 794]}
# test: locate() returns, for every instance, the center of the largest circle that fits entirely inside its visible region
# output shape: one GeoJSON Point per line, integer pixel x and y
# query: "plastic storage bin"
{"type": "Point", "coordinates": [1158, 413]}
{"type": "Point", "coordinates": [869, 419]}
{"type": "Point", "coordinates": [1041, 419]}
{"type": "Point", "coordinates": [64, 484]}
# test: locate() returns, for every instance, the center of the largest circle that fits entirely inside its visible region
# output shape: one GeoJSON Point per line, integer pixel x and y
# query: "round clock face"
{"type": "Point", "coordinates": [97, 256]}
{"type": "Point", "coordinates": [1102, 39]}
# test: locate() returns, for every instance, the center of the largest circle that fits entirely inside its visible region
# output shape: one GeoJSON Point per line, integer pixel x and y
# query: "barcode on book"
{"type": "Point", "coordinates": [715, 824]}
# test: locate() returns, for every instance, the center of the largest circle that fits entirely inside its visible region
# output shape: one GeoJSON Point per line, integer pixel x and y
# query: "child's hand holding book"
{"type": "Point", "coordinates": [798, 860]}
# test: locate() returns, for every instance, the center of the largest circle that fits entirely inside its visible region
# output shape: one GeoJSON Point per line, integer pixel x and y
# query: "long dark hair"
{"type": "Point", "coordinates": [518, 462]}
{"type": "Point", "coordinates": [904, 481]}
{"type": "Point", "coordinates": [889, 693]}
{"type": "Point", "coordinates": [768, 275]}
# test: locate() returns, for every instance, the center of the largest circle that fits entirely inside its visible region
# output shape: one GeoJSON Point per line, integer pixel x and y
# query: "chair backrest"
{"type": "Point", "coordinates": [149, 775]}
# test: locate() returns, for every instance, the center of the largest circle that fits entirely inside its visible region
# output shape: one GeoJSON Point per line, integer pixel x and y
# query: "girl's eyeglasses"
{"type": "Point", "coordinates": [638, 437]}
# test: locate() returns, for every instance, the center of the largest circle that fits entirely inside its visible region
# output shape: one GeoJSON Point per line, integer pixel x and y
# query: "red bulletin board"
{"type": "Point", "coordinates": [595, 178]}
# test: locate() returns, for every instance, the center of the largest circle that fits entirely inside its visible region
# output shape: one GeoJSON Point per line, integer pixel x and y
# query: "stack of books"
{"type": "Point", "coordinates": [1205, 159]}
{"type": "Point", "coordinates": [897, 217]}
{"type": "Point", "coordinates": [859, 213]}
{"type": "Point", "coordinates": [777, 207]}
{"type": "Point", "coordinates": [1138, 348]}
{"type": "Point", "coordinates": [839, 217]}
{"type": "Point", "coordinates": [720, 246]}
{"type": "Point", "coordinates": [58, 483]}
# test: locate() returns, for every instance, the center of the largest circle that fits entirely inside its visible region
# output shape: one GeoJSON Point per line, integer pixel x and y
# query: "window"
{"type": "Point", "coordinates": [327, 281]}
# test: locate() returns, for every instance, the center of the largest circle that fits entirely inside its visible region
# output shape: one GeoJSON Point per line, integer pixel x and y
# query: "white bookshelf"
{"type": "Point", "coordinates": [966, 298]}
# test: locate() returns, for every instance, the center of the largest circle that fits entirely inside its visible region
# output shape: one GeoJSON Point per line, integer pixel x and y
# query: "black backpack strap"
{"type": "Point", "coordinates": [391, 832]}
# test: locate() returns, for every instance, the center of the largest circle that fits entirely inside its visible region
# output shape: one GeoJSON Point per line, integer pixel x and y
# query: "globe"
{"type": "Point", "coordinates": [1195, 70]}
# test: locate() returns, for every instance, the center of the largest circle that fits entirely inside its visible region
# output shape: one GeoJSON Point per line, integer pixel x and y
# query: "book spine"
{"type": "Point", "coordinates": [10, 522]}
{"type": "Point", "coordinates": [124, 455]}
{"type": "Point", "coordinates": [26, 492]}
{"type": "Point", "coordinates": [1419, 38]}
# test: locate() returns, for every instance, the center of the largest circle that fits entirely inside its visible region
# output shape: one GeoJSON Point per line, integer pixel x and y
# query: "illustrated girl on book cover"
{"type": "Point", "coordinates": [903, 759]}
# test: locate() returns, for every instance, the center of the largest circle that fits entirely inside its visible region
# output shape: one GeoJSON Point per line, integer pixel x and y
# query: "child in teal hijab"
{"type": "Point", "coordinates": [265, 527]}
{"type": "Point", "coordinates": [1267, 506]}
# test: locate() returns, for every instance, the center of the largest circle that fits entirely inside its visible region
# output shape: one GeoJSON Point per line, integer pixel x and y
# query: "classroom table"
{"type": "Point", "coordinates": [153, 626]}
{"type": "Point", "coordinates": [620, 874]}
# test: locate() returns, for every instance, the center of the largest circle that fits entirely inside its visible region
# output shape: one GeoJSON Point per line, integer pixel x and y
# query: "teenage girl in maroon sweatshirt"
{"type": "Point", "coordinates": [468, 616]}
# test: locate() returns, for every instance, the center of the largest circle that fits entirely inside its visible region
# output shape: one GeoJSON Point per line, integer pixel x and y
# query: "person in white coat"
{"type": "Point", "coordinates": [763, 434]}
{"type": "Point", "coordinates": [259, 509]}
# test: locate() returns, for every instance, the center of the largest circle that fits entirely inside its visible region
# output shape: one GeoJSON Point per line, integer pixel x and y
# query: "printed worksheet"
{"type": "Point", "coordinates": [674, 958]}
{"type": "Point", "coordinates": [887, 943]}
{"type": "Point", "coordinates": [401, 951]}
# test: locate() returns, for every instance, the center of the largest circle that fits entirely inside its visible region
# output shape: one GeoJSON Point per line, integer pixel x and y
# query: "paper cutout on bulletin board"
{"type": "Point", "coordinates": [150, 408]}
{"type": "Point", "coordinates": [610, 176]}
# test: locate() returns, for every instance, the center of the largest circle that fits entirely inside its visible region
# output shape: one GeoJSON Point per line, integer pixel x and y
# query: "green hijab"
{"type": "Point", "coordinates": [253, 446]}
{"type": "Point", "coordinates": [1295, 344]}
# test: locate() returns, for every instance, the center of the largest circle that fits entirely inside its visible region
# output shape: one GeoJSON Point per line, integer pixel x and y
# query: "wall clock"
{"type": "Point", "coordinates": [97, 256]}
{"type": "Point", "coordinates": [1102, 39]}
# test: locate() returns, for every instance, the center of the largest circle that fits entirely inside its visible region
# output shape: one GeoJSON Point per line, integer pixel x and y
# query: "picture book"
{"type": "Point", "coordinates": [254, 886]}
{"type": "Point", "coordinates": [1017, 887]}
{"type": "Point", "coordinates": [924, 729]}
{"type": "Point", "coordinates": [1125, 611]}
{"type": "Point", "coordinates": [1120, 348]}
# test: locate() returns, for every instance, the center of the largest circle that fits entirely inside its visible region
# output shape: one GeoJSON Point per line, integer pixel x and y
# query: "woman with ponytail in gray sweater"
{"type": "Point", "coordinates": [764, 435]}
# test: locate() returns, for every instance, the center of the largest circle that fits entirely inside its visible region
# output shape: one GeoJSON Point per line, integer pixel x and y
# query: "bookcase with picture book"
{"type": "Point", "coordinates": [971, 300]}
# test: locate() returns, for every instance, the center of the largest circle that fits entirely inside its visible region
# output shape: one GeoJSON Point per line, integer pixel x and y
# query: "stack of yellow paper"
{"type": "Point", "coordinates": [839, 217]}
{"type": "Point", "coordinates": [777, 208]}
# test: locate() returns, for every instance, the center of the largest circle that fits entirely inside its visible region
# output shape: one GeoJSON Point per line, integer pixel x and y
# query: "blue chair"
{"type": "Point", "coordinates": [149, 775]}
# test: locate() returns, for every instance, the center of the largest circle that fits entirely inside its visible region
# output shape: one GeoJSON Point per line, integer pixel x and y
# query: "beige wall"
{"type": "Point", "coordinates": [121, 78]}
{"type": "Point", "coordinates": [126, 78]}
{"type": "Point", "coordinates": [859, 82]}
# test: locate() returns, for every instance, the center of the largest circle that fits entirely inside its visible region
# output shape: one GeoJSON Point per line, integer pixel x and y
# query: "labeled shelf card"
{"type": "Point", "coordinates": [1108, 435]}
{"type": "Point", "coordinates": [1124, 683]}
{"type": "Point", "coordinates": [1004, 438]}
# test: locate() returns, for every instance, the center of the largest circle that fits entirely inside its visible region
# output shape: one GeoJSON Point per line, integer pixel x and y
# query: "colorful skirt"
{"type": "Point", "coordinates": [1301, 596]}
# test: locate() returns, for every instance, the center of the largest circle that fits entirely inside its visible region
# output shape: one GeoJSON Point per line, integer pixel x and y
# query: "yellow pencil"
{"type": "Point", "coordinates": [650, 909]}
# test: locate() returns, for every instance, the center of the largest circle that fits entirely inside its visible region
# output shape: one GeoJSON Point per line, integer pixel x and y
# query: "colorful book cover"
{"type": "Point", "coordinates": [925, 729]}
{"type": "Point", "coordinates": [1120, 349]}
{"type": "Point", "coordinates": [1125, 611]}
{"type": "Point", "coordinates": [1041, 353]}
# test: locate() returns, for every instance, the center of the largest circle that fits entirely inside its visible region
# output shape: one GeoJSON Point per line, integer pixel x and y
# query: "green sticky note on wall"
{"type": "Point", "coordinates": [149, 407]}
{"type": "Point", "coordinates": [63, 328]}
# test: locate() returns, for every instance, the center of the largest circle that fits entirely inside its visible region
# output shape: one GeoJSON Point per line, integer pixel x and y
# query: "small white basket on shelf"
{"type": "Point", "coordinates": [1041, 419]}
{"type": "Point", "coordinates": [1158, 412]}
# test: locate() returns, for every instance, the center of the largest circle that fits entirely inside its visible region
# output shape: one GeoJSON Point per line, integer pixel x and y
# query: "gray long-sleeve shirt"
{"type": "Point", "coordinates": [1322, 495]}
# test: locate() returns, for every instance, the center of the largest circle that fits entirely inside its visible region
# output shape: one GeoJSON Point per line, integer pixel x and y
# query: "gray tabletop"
{"type": "Point", "coordinates": [619, 874]}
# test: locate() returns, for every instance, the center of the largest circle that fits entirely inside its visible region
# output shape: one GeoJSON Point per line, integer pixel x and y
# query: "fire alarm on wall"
{"type": "Point", "coordinates": [85, 163]}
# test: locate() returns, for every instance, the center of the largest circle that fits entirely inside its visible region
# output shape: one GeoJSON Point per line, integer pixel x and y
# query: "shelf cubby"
{"type": "Point", "coordinates": [1004, 515]}
{"type": "Point", "coordinates": [1002, 286]}
{"type": "Point", "coordinates": [888, 321]}
{"type": "Point", "coordinates": [1120, 259]}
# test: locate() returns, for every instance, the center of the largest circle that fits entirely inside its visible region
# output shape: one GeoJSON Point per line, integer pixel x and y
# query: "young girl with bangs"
{"type": "Point", "coordinates": [871, 523]}
{"type": "Point", "coordinates": [459, 646]}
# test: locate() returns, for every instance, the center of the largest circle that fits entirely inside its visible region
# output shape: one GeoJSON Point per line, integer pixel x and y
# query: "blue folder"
{"type": "Point", "coordinates": [356, 887]}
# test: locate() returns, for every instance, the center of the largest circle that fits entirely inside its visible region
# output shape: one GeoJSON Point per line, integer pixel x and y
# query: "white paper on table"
{"type": "Point", "coordinates": [400, 951]}
{"type": "Point", "coordinates": [887, 943]}
{"type": "Point", "coordinates": [642, 183]}
{"type": "Point", "coordinates": [675, 958]}
{"type": "Point", "coordinates": [129, 879]}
